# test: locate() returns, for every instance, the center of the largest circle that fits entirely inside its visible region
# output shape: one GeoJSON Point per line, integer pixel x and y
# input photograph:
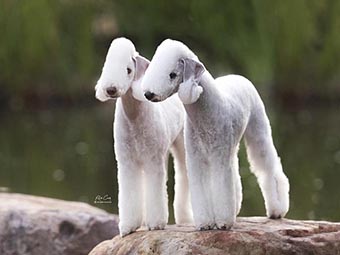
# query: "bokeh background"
{"type": "Point", "coordinates": [56, 139]}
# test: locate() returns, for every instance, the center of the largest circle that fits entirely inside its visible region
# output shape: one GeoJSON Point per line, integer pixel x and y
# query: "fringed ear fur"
{"type": "Point", "coordinates": [189, 91]}
{"type": "Point", "coordinates": [192, 69]}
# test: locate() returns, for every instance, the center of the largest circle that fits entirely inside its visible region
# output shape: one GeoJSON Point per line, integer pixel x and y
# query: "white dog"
{"type": "Point", "coordinates": [219, 112]}
{"type": "Point", "coordinates": [143, 135]}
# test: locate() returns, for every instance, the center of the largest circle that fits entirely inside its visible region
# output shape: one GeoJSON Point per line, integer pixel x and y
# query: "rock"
{"type": "Point", "coordinates": [38, 225]}
{"type": "Point", "coordinates": [254, 235]}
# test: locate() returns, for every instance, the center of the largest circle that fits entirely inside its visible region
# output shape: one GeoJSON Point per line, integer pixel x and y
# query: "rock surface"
{"type": "Point", "coordinates": [45, 226]}
{"type": "Point", "coordinates": [255, 235]}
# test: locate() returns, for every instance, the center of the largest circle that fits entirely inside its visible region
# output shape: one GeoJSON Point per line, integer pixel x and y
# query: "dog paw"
{"type": "Point", "coordinates": [275, 216]}
{"type": "Point", "coordinates": [224, 226]}
{"type": "Point", "coordinates": [277, 213]}
{"type": "Point", "coordinates": [159, 226]}
{"type": "Point", "coordinates": [206, 226]}
{"type": "Point", "coordinates": [225, 222]}
{"type": "Point", "coordinates": [126, 230]}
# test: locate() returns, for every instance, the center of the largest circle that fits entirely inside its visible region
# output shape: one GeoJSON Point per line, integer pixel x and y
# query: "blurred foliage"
{"type": "Point", "coordinates": [59, 46]}
{"type": "Point", "coordinates": [46, 46]}
{"type": "Point", "coordinates": [292, 45]}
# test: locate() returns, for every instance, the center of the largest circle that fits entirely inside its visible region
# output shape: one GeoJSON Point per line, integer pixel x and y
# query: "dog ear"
{"type": "Point", "coordinates": [189, 91]}
{"type": "Point", "coordinates": [192, 69]}
{"type": "Point", "coordinates": [141, 64]}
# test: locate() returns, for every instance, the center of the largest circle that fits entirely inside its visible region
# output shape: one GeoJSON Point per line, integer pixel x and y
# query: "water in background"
{"type": "Point", "coordinates": [68, 154]}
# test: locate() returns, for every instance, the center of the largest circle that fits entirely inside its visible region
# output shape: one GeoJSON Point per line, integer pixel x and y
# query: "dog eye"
{"type": "Point", "coordinates": [172, 75]}
{"type": "Point", "coordinates": [128, 70]}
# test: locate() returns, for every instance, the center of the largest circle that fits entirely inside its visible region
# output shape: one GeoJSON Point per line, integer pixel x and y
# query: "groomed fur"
{"type": "Point", "coordinates": [144, 133]}
{"type": "Point", "coordinates": [219, 113]}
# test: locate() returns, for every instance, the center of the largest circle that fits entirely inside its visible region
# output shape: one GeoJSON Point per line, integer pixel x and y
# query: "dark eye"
{"type": "Point", "coordinates": [128, 70]}
{"type": "Point", "coordinates": [172, 76]}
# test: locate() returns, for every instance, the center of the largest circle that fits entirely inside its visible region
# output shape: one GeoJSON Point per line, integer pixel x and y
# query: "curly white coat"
{"type": "Point", "coordinates": [144, 133]}
{"type": "Point", "coordinates": [219, 113]}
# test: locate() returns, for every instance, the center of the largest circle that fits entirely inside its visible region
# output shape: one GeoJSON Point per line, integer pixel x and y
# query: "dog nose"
{"type": "Point", "coordinates": [111, 91]}
{"type": "Point", "coordinates": [149, 95]}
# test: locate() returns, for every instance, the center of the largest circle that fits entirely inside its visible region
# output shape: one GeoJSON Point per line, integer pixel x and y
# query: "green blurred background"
{"type": "Point", "coordinates": [56, 139]}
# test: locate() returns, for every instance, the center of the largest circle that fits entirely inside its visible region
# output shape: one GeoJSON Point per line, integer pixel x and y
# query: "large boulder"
{"type": "Point", "coordinates": [40, 226]}
{"type": "Point", "coordinates": [255, 235]}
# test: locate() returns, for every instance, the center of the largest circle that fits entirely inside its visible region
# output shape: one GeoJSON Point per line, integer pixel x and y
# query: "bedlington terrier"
{"type": "Point", "coordinates": [144, 133]}
{"type": "Point", "coordinates": [219, 112]}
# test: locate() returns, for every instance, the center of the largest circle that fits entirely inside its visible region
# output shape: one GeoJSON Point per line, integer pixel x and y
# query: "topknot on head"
{"type": "Point", "coordinates": [122, 46]}
{"type": "Point", "coordinates": [176, 49]}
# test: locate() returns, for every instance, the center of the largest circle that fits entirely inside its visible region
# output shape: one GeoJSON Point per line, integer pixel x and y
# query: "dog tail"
{"type": "Point", "coordinates": [265, 162]}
